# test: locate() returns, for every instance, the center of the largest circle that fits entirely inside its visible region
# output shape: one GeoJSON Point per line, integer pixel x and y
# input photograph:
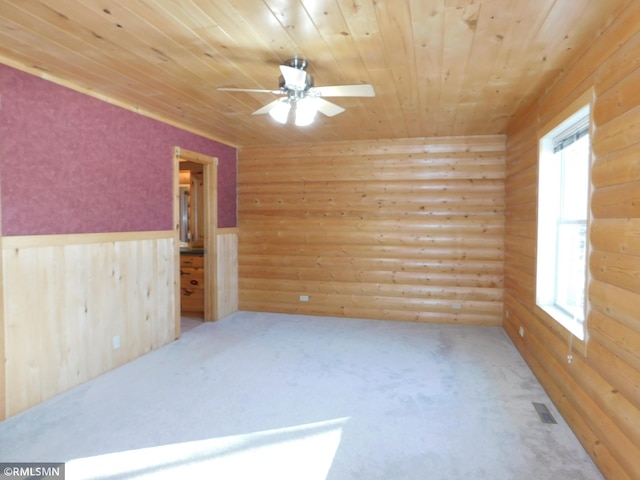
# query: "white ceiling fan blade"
{"type": "Point", "coordinates": [266, 108]}
{"type": "Point", "coordinates": [251, 90]}
{"type": "Point", "coordinates": [327, 108]}
{"type": "Point", "coordinates": [294, 77]}
{"type": "Point", "coordinates": [364, 90]}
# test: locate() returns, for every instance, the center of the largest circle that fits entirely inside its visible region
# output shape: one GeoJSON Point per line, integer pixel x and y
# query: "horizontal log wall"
{"type": "Point", "coordinates": [388, 229]}
{"type": "Point", "coordinates": [599, 391]}
{"type": "Point", "coordinates": [67, 296]}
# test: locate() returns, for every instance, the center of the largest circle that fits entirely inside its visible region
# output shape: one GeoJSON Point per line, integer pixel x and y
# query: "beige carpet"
{"type": "Point", "coordinates": [269, 396]}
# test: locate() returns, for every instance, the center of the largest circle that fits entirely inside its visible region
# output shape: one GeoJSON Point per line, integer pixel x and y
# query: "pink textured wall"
{"type": "Point", "coordinates": [73, 164]}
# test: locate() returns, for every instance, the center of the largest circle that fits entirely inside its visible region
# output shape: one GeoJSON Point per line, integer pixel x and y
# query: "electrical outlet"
{"type": "Point", "coordinates": [304, 298]}
{"type": "Point", "coordinates": [456, 306]}
{"type": "Point", "coordinates": [521, 331]}
{"type": "Point", "coordinates": [507, 314]}
{"type": "Point", "coordinates": [116, 342]}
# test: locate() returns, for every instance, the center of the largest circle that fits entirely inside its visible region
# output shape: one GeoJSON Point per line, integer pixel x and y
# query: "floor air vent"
{"type": "Point", "coordinates": [544, 413]}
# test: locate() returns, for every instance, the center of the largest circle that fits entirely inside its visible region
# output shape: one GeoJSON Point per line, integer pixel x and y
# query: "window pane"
{"type": "Point", "coordinates": [575, 160]}
{"type": "Point", "coordinates": [570, 268]}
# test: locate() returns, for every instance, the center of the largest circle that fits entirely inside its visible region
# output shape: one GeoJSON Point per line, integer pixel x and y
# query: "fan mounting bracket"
{"type": "Point", "coordinates": [297, 62]}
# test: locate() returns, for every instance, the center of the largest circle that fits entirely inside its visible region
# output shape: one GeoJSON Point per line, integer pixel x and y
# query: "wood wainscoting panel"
{"type": "Point", "coordinates": [79, 307]}
{"type": "Point", "coordinates": [598, 391]}
{"type": "Point", "coordinates": [3, 363]}
{"type": "Point", "coordinates": [227, 271]}
{"type": "Point", "coordinates": [409, 229]}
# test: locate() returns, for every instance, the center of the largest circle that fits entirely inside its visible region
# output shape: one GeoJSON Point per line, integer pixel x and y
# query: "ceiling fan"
{"type": "Point", "coordinates": [297, 90]}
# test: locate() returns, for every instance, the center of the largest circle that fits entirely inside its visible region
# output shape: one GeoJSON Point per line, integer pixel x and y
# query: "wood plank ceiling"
{"type": "Point", "coordinates": [439, 67]}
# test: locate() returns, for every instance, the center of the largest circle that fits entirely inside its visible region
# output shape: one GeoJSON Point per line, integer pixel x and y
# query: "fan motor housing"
{"type": "Point", "coordinates": [298, 63]}
{"type": "Point", "coordinates": [308, 83]}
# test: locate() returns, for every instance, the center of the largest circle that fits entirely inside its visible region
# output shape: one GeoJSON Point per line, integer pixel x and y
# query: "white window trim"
{"type": "Point", "coordinates": [571, 113]}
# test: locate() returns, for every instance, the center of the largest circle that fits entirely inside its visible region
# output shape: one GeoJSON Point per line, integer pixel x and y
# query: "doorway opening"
{"type": "Point", "coordinates": [195, 219]}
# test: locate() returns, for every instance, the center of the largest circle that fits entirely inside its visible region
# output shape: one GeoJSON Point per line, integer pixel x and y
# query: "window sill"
{"type": "Point", "coordinates": [567, 321]}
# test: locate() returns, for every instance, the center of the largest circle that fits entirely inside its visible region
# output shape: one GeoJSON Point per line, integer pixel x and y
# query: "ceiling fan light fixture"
{"type": "Point", "coordinates": [296, 85]}
{"type": "Point", "coordinates": [280, 113]}
{"type": "Point", "coordinates": [306, 110]}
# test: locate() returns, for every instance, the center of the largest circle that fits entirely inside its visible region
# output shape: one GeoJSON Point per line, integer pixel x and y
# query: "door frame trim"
{"type": "Point", "coordinates": [210, 186]}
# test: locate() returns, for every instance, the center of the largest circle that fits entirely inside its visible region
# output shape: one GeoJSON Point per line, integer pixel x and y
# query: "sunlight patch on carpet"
{"type": "Point", "coordinates": [302, 451]}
